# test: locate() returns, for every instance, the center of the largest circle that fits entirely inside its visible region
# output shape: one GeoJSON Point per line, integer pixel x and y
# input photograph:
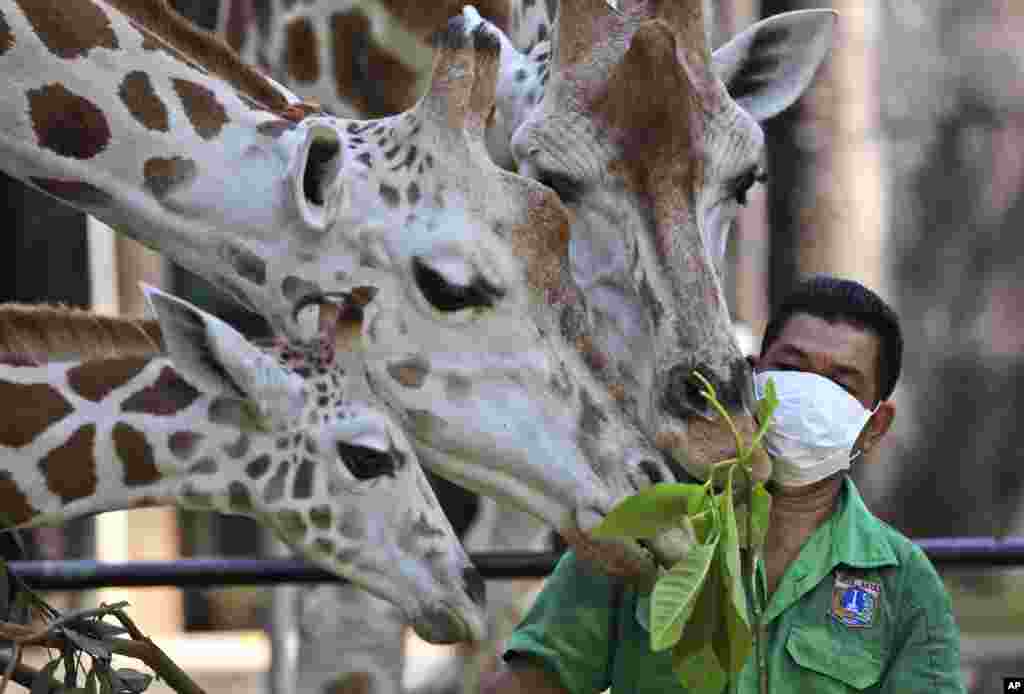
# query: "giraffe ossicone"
{"type": "Point", "coordinates": [222, 425]}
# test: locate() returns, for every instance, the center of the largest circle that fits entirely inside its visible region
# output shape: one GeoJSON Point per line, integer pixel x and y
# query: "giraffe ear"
{"type": "Point", "coordinates": [219, 360]}
{"type": "Point", "coordinates": [768, 66]}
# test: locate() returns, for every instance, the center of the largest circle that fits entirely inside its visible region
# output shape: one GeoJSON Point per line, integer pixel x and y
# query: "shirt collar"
{"type": "Point", "coordinates": [851, 536]}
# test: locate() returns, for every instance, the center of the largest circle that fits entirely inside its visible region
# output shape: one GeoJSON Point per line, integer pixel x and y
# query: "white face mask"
{"type": "Point", "coordinates": [813, 428]}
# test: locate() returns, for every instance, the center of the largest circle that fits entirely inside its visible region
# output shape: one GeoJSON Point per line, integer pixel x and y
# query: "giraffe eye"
{"type": "Point", "coordinates": [366, 463]}
{"type": "Point", "coordinates": [448, 296]}
{"type": "Point", "coordinates": [567, 189]}
{"type": "Point", "coordinates": [742, 184]}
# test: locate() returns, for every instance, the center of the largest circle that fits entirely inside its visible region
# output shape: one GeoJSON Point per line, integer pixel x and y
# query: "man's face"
{"type": "Point", "coordinates": [840, 352]}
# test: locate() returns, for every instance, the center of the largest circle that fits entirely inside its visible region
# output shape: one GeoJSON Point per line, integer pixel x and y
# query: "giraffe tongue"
{"type": "Point", "coordinates": [327, 328]}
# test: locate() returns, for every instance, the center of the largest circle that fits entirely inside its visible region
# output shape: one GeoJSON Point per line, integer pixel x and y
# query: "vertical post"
{"type": "Point", "coordinates": [45, 259]}
{"type": "Point", "coordinates": [824, 197]}
{"type": "Point", "coordinates": [139, 534]}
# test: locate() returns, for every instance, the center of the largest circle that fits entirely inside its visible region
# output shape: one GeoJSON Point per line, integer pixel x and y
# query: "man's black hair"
{"type": "Point", "coordinates": [838, 300]}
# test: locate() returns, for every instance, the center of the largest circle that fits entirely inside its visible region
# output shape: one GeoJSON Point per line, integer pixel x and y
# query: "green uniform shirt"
{"type": "Point", "coordinates": [860, 609]}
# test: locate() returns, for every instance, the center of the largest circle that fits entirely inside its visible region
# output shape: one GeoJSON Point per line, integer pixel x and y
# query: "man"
{"type": "Point", "coordinates": [853, 605]}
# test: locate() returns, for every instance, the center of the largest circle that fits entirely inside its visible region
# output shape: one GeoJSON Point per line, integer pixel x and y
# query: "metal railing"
{"type": "Point", "coordinates": [944, 552]}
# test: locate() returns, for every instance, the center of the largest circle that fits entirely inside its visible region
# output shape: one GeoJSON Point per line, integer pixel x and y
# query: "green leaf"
{"type": "Point", "coordinates": [90, 682]}
{"type": "Point", "coordinates": [703, 524]}
{"type": "Point", "coordinates": [647, 513]}
{"type": "Point", "coordinates": [765, 409]}
{"type": "Point", "coordinates": [733, 641]}
{"type": "Point", "coordinates": [700, 672]}
{"type": "Point", "coordinates": [94, 647]}
{"type": "Point", "coordinates": [675, 595]}
{"type": "Point", "coordinates": [760, 513]}
{"type": "Point", "coordinates": [740, 510]}
{"type": "Point", "coordinates": [693, 657]}
{"type": "Point", "coordinates": [133, 681]}
{"type": "Point", "coordinates": [729, 550]}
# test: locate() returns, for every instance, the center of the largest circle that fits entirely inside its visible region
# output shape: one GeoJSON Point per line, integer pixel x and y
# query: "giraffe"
{"type": "Point", "coordinates": [364, 58]}
{"type": "Point", "coordinates": [653, 143]}
{"type": "Point", "coordinates": [287, 209]}
{"type": "Point", "coordinates": [219, 424]}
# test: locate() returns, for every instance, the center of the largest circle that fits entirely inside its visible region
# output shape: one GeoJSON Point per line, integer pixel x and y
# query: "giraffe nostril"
{"type": "Point", "coordinates": [475, 585]}
{"type": "Point", "coordinates": [683, 393]}
{"type": "Point", "coordinates": [653, 472]}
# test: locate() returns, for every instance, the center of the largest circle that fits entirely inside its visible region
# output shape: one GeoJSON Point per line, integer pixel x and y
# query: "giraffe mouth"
{"type": "Point", "coordinates": [334, 311]}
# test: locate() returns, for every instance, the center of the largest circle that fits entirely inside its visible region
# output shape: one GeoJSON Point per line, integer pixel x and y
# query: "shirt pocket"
{"type": "Point", "coordinates": [830, 664]}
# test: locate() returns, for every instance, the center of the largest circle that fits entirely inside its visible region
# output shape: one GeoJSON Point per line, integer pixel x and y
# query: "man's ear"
{"type": "Point", "coordinates": [877, 426]}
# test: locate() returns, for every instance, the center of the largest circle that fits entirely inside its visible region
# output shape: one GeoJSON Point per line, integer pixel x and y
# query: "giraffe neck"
{"type": "Point", "coordinates": [31, 335]}
{"type": "Point", "coordinates": [118, 433]}
{"type": "Point", "coordinates": [371, 58]}
{"type": "Point", "coordinates": [123, 110]}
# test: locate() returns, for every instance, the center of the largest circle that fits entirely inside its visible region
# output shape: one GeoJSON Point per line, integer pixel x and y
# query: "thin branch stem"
{"type": "Point", "coordinates": [141, 649]}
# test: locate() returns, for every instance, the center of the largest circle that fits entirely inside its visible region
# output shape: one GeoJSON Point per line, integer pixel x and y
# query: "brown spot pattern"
{"type": "Point", "coordinates": [6, 42]}
{"type": "Point", "coordinates": [206, 114]}
{"type": "Point", "coordinates": [359, 79]}
{"type": "Point", "coordinates": [300, 51]}
{"type": "Point", "coordinates": [95, 380]}
{"type": "Point", "coordinates": [168, 395]}
{"type": "Point", "coordinates": [77, 193]}
{"type": "Point", "coordinates": [14, 506]}
{"type": "Point", "coordinates": [163, 175]}
{"type": "Point", "coordinates": [136, 455]}
{"type": "Point", "coordinates": [141, 100]}
{"type": "Point", "coordinates": [69, 30]}
{"type": "Point", "coordinates": [67, 124]}
{"type": "Point", "coordinates": [70, 469]}
{"type": "Point", "coordinates": [183, 444]}
{"type": "Point", "coordinates": [411, 372]}
{"type": "Point", "coordinates": [23, 424]}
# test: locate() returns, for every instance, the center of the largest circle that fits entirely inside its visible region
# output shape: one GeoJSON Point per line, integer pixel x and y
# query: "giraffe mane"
{"type": "Point", "coordinates": [205, 48]}
{"type": "Point", "coordinates": [37, 334]}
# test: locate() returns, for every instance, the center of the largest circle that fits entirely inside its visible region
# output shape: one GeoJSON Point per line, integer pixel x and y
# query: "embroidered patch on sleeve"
{"type": "Point", "coordinates": [855, 601]}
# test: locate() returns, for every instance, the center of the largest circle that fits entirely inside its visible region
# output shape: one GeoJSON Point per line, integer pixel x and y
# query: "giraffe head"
{"type": "Point", "coordinates": [653, 142]}
{"type": "Point", "coordinates": [331, 474]}
{"type": "Point", "coordinates": [459, 339]}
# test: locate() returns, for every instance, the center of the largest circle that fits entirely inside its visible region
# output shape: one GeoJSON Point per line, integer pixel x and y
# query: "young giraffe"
{"type": "Point", "coordinates": [224, 426]}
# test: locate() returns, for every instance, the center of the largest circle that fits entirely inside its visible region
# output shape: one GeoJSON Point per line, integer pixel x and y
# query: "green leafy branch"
{"type": "Point", "coordinates": [85, 644]}
{"type": "Point", "coordinates": [707, 607]}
